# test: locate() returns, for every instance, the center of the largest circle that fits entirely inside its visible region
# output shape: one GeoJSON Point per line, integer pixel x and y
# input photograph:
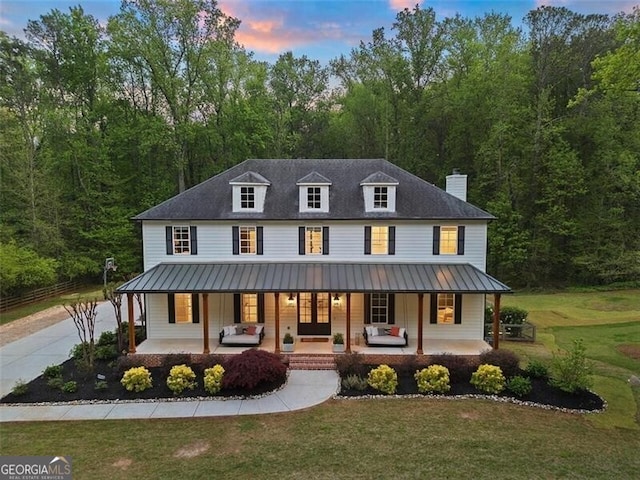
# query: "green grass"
{"type": "Point", "coordinates": [86, 293]}
{"type": "Point", "coordinates": [347, 439]}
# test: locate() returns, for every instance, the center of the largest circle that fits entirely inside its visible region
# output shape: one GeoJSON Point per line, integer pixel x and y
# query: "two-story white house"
{"type": "Point", "coordinates": [312, 248]}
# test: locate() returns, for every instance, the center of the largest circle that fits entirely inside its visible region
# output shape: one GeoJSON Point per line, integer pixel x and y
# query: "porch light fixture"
{"type": "Point", "coordinates": [291, 300]}
{"type": "Point", "coordinates": [336, 300]}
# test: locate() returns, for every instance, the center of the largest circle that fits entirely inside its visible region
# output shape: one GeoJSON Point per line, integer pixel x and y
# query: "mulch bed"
{"type": "Point", "coordinates": [542, 394]}
{"type": "Point", "coordinates": [39, 392]}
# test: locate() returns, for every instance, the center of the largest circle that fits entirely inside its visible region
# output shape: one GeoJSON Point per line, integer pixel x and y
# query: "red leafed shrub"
{"type": "Point", "coordinates": [508, 361]}
{"type": "Point", "coordinates": [251, 368]}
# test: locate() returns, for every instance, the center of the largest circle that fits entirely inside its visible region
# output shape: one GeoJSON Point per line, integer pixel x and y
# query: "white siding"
{"type": "Point", "coordinates": [413, 243]}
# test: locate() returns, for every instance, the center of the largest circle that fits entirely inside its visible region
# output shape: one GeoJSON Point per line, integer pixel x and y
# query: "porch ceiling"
{"type": "Point", "coordinates": [314, 277]}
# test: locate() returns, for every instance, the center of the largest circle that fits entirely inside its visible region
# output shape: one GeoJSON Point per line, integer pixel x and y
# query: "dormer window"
{"type": "Point", "coordinates": [379, 191]}
{"type": "Point", "coordinates": [249, 191]}
{"type": "Point", "coordinates": [314, 193]}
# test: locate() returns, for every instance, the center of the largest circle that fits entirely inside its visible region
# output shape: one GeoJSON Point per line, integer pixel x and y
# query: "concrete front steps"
{"type": "Point", "coordinates": [311, 361]}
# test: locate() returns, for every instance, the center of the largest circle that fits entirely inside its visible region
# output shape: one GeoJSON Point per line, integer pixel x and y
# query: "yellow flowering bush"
{"type": "Point", "coordinates": [136, 379]}
{"type": "Point", "coordinates": [383, 378]}
{"type": "Point", "coordinates": [213, 379]}
{"type": "Point", "coordinates": [488, 378]}
{"type": "Point", "coordinates": [433, 379]}
{"type": "Point", "coordinates": [180, 378]}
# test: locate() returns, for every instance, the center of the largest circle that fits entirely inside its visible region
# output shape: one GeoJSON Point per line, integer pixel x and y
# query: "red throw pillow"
{"type": "Point", "coordinates": [395, 331]}
{"type": "Point", "coordinates": [251, 330]}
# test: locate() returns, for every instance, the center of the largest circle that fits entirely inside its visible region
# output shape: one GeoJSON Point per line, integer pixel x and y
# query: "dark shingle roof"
{"type": "Point", "coordinates": [415, 198]}
{"type": "Point", "coordinates": [314, 177]}
{"type": "Point", "coordinates": [314, 277]}
{"type": "Point", "coordinates": [379, 177]}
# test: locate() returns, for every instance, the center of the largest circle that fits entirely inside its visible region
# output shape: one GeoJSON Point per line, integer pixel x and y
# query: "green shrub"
{"type": "Point", "coordinates": [519, 385]}
{"type": "Point", "coordinates": [52, 371]}
{"type": "Point", "coordinates": [106, 352]}
{"type": "Point", "coordinates": [537, 369]}
{"type": "Point", "coordinates": [513, 315]}
{"type": "Point", "coordinates": [354, 382]}
{"type": "Point", "coordinates": [70, 387]}
{"type": "Point", "coordinates": [460, 367]}
{"type": "Point", "coordinates": [383, 378]}
{"type": "Point", "coordinates": [213, 379]}
{"type": "Point", "coordinates": [180, 378]}
{"type": "Point", "coordinates": [77, 351]}
{"type": "Point", "coordinates": [488, 379]}
{"type": "Point", "coordinates": [20, 388]}
{"type": "Point", "coordinates": [572, 371]}
{"type": "Point", "coordinates": [100, 385]}
{"type": "Point", "coordinates": [433, 379]}
{"type": "Point", "coordinates": [107, 338]}
{"type": "Point", "coordinates": [55, 383]}
{"type": "Point", "coordinates": [508, 361]}
{"type": "Point", "coordinates": [137, 379]}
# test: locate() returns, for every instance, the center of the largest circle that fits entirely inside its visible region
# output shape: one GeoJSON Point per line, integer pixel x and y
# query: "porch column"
{"type": "Point", "coordinates": [347, 346]}
{"type": "Point", "coordinates": [420, 314]}
{"type": "Point", "coordinates": [277, 315]}
{"type": "Point", "coordinates": [205, 322]}
{"type": "Point", "coordinates": [132, 326]}
{"type": "Point", "coordinates": [496, 320]}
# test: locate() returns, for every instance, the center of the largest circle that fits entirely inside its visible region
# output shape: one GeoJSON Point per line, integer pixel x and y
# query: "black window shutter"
{"type": "Point", "coordinates": [259, 240]}
{"type": "Point", "coordinates": [325, 240]}
{"type": "Point", "coordinates": [367, 308]}
{"type": "Point", "coordinates": [436, 240]}
{"type": "Point", "coordinates": [195, 308]}
{"type": "Point", "coordinates": [391, 309]}
{"type": "Point", "coordinates": [235, 239]}
{"type": "Point", "coordinates": [457, 309]}
{"type": "Point", "coordinates": [171, 310]}
{"type": "Point", "coordinates": [433, 309]}
{"type": "Point", "coordinates": [237, 308]}
{"type": "Point", "coordinates": [169, 237]}
{"type": "Point", "coordinates": [367, 240]}
{"type": "Point", "coordinates": [301, 241]}
{"type": "Point", "coordinates": [461, 240]}
{"type": "Point", "coordinates": [261, 307]}
{"type": "Point", "coordinates": [392, 240]}
{"type": "Point", "coordinates": [193, 237]}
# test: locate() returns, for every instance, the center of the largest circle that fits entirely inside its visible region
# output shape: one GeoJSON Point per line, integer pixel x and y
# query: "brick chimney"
{"type": "Point", "coordinates": [457, 185]}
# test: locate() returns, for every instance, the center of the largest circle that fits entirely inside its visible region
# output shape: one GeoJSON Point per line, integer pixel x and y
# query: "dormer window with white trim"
{"type": "Point", "coordinates": [314, 193]}
{"type": "Point", "coordinates": [249, 191]}
{"type": "Point", "coordinates": [379, 191]}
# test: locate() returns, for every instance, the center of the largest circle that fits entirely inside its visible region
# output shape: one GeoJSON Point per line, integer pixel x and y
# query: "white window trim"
{"type": "Point", "coordinates": [451, 232]}
{"type": "Point", "coordinates": [307, 239]}
{"type": "Point", "coordinates": [386, 308]}
{"type": "Point", "coordinates": [253, 239]}
{"type": "Point", "coordinates": [446, 317]}
{"type": "Point", "coordinates": [183, 308]}
{"type": "Point", "coordinates": [375, 228]}
{"type": "Point", "coordinates": [187, 240]}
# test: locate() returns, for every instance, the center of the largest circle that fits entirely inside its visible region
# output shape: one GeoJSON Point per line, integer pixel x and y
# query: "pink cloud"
{"type": "Point", "coordinates": [402, 4]}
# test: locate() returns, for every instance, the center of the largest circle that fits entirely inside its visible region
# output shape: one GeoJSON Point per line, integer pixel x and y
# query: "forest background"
{"type": "Point", "coordinates": [99, 123]}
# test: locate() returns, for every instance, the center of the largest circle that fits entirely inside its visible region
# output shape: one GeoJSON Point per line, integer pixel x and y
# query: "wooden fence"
{"type": "Point", "coordinates": [7, 303]}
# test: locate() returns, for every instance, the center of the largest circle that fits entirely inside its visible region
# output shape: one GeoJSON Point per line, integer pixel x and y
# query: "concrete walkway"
{"type": "Point", "coordinates": [25, 359]}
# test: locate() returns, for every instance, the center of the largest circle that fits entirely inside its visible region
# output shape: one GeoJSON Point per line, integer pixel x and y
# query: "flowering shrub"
{"type": "Point", "coordinates": [180, 378]}
{"type": "Point", "coordinates": [488, 379]}
{"type": "Point", "coordinates": [213, 379]}
{"type": "Point", "coordinates": [136, 379]}
{"type": "Point", "coordinates": [383, 378]}
{"type": "Point", "coordinates": [433, 379]}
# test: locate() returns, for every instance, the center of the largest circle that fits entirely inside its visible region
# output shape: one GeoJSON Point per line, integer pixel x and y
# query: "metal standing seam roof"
{"type": "Point", "coordinates": [314, 277]}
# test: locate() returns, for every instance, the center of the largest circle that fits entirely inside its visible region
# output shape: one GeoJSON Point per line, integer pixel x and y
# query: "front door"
{"type": "Point", "coordinates": [314, 313]}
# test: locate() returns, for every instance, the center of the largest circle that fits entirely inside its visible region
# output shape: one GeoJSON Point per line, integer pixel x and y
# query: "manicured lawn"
{"type": "Point", "coordinates": [359, 439]}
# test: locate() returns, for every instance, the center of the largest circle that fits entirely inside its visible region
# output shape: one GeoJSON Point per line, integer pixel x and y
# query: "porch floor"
{"type": "Point", "coordinates": [430, 347]}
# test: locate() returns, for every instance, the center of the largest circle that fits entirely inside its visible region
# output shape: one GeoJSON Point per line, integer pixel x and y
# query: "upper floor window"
{"type": "Point", "coordinates": [247, 240]}
{"type": "Point", "coordinates": [448, 240]}
{"type": "Point", "coordinates": [380, 197]}
{"type": "Point", "coordinates": [313, 240]}
{"type": "Point", "coordinates": [183, 308]}
{"type": "Point", "coordinates": [247, 197]}
{"type": "Point", "coordinates": [314, 200]}
{"type": "Point", "coordinates": [181, 240]}
{"type": "Point", "coordinates": [379, 240]}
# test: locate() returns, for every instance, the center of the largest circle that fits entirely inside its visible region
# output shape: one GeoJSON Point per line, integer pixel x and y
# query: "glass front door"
{"type": "Point", "coordinates": [314, 313]}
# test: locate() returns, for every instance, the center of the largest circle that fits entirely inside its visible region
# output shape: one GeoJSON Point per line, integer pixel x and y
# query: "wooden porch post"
{"type": "Point", "coordinates": [205, 322]}
{"type": "Point", "coordinates": [496, 321]}
{"type": "Point", "coordinates": [420, 314]}
{"type": "Point", "coordinates": [132, 326]}
{"type": "Point", "coordinates": [277, 314]}
{"type": "Point", "coordinates": [347, 346]}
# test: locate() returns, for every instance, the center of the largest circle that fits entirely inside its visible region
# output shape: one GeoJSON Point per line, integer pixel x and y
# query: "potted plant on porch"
{"type": "Point", "coordinates": [287, 343]}
{"type": "Point", "coordinates": [338, 342]}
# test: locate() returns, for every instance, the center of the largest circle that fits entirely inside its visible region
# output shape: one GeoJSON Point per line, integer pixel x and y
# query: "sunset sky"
{"type": "Point", "coordinates": [320, 29]}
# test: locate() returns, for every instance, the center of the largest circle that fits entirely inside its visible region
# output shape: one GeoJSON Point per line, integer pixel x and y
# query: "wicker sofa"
{"type": "Point", "coordinates": [242, 335]}
{"type": "Point", "coordinates": [385, 336]}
